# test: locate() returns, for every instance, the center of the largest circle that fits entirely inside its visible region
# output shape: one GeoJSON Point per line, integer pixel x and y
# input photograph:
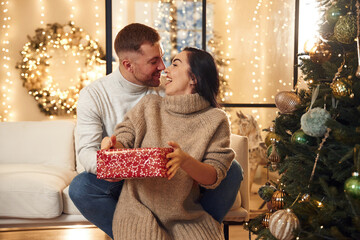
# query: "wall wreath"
{"type": "Point", "coordinates": [46, 60]}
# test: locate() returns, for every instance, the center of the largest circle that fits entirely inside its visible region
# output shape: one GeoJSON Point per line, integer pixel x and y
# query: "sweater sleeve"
{"type": "Point", "coordinates": [88, 131]}
{"type": "Point", "coordinates": [131, 131]}
{"type": "Point", "coordinates": [219, 154]}
{"type": "Point", "coordinates": [125, 132]}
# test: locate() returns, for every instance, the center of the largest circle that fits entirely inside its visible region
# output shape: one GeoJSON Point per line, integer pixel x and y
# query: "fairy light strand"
{"type": "Point", "coordinates": [120, 18]}
{"type": "Point", "coordinates": [227, 70]}
{"type": "Point", "coordinates": [72, 12]}
{"type": "Point", "coordinates": [147, 11]}
{"type": "Point", "coordinates": [76, 46]}
{"type": "Point", "coordinates": [42, 13]}
{"type": "Point", "coordinates": [6, 113]}
{"type": "Point", "coordinates": [97, 20]}
{"type": "Point", "coordinates": [264, 14]}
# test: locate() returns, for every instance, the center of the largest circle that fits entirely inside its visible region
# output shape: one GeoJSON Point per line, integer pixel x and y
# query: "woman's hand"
{"type": "Point", "coordinates": [108, 142]}
{"type": "Point", "coordinates": [202, 173]}
{"type": "Point", "coordinates": [178, 159]}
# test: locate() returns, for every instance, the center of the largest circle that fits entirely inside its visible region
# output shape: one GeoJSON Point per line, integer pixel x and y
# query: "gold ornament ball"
{"type": "Point", "coordinates": [286, 101]}
{"type": "Point", "coordinates": [320, 53]}
{"type": "Point", "coordinates": [282, 223]}
{"type": "Point", "coordinates": [266, 218]}
{"type": "Point", "coordinates": [345, 29]}
{"type": "Point", "coordinates": [342, 87]}
{"type": "Point", "coordinates": [270, 137]}
{"type": "Point", "coordinates": [277, 200]}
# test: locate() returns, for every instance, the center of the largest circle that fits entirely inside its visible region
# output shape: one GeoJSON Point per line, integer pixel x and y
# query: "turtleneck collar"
{"type": "Point", "coordinates": [185, 104]}
{"type": "Point", "coordinates": [129, 86]}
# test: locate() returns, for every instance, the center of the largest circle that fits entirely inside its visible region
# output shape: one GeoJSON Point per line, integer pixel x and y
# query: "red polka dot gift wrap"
{"type": "Point", "coordinates": [132, 163]}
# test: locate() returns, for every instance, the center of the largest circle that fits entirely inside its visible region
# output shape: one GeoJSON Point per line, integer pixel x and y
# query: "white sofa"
{"type": "Point", "coordinates": [37, 164]}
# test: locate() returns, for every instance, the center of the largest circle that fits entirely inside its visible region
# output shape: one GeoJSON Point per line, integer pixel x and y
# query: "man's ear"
{"type": "Point", "coordinates": [126, 63]}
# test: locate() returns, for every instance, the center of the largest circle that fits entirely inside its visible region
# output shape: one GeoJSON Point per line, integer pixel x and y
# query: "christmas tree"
{"type": "Point", "coordinates": [315, 140]}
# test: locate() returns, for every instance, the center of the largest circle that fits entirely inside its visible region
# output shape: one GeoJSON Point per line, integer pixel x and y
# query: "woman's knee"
{"type": "Point", "coordinates": [235, 172]}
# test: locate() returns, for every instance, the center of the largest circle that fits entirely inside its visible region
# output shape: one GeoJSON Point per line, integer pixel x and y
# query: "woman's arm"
{"type": "Point", "coordinates": [201, 172]}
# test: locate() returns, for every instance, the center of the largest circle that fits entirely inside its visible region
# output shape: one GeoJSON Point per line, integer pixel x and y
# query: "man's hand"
{"type": "Point", "coordinates": [177, 159]}
{"type": "Point", "coordinates": [108, 142]}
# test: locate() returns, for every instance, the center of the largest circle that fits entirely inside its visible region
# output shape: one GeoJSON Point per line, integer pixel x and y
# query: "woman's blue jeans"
{"type": "Point", "coordinates": [96, 199]}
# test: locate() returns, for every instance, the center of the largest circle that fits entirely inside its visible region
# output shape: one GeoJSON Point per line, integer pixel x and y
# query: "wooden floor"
{"type": "Point", "coordinates": [92, 233]}
{"type": "Point", "coordinates": [88, 233]}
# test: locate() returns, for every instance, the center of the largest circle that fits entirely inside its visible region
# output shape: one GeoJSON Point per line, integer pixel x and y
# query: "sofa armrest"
{"type": "Point", "coordinates": [241, 148]}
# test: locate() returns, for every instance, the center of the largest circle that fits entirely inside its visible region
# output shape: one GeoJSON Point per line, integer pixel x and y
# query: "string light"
{"type": "Point", "coordinates": [146, 12]}
{"type": "Point", "coordinates": [42, 13]}
{"type": "Point", "coordinates": [263, 14]}
{"type": "Point", "coordinates": [227, 69]}
{"type": "Point", "coordinates": [6, 113]}
{"type": "Point", "coordinates": [256, 61]}
{"type": "Point", "coordinates": [97, 21]}
{"type": "Point", "coordinates": [121, 16]}
{"type": "Point", "coordinates": [72, 12]}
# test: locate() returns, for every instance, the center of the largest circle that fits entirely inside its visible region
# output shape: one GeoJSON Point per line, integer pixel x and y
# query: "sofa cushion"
{"type": "Point", "coordinates": [69, 206]}
{"type": "Point", "coordinates": [43, 142]}
{"type": "Point", "coordinates": [32, 190]}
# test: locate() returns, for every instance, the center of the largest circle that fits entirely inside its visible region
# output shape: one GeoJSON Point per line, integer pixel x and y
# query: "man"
{"type": "Point", "coordinates": [103, 104]}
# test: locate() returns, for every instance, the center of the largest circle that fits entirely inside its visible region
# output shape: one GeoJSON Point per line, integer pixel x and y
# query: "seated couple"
{"type": "Point", "coordinates": [200, 188]}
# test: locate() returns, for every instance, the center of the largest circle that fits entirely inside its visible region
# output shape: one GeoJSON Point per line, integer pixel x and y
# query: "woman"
{"type": "Point", "coordinates": [188, 120]}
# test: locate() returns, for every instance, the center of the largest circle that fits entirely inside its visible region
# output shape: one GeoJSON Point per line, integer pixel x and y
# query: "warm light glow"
{"type": "Point", "coordinates": [264, 14]}
{"type": "Point", "coordinates": [308, 24]}
{"type": "Point", "coordinates": [78, 233]}
{"type": "Point", "coordinates": [75, 48]}
{"type": "Point", "coordinates": [6, 112]}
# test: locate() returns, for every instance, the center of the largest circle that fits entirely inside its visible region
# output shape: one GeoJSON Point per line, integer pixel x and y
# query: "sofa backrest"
{"type": "Point", "coordinates": [41, 142]}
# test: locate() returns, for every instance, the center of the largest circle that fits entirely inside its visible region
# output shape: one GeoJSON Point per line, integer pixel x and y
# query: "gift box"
{"type": "Point", "coordinates": [132, 163]}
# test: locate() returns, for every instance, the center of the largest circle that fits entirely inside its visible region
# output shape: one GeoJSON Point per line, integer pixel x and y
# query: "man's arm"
{"type": "Point", "coordinates": [89, 131]}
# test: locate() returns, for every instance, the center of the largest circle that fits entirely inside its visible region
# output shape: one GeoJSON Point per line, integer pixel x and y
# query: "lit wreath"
{"type": "Point", "coordinates": [35, 64]}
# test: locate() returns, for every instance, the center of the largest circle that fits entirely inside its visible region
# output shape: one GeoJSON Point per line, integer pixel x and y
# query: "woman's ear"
{"type": "Point", "coordinates": [193, 80]}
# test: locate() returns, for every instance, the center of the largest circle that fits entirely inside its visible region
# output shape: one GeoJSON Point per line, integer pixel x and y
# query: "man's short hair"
{"type": "Point", "coordinates": [132, 36]}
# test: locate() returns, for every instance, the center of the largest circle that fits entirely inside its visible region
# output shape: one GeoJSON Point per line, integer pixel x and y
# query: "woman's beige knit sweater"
{"type": "Point", "coordinates": [157, 208]}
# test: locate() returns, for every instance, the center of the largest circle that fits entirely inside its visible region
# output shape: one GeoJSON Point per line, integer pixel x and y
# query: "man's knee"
{"type": "Point", "coordinates": [76, 187]}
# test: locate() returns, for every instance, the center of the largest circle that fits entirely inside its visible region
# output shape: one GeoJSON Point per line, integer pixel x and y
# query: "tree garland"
{"type": "Point", "coordinates": [34, 68]}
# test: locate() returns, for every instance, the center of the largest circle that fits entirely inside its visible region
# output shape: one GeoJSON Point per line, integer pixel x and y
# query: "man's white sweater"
{"type": "Point", "coordinates": [101, 106]}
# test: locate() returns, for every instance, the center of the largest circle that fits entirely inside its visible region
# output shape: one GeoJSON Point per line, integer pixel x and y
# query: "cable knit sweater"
{"type": "Point", "coordinates": [157, 208]}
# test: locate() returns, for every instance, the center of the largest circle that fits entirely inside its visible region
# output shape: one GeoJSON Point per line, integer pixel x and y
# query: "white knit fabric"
{"type": "Point", "coordinates": [102, 105]}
